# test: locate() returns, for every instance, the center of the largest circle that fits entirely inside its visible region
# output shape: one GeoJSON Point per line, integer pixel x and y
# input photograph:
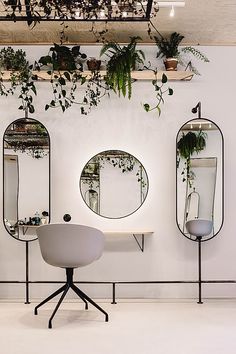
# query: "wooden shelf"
{"type": "Point", "coordinates": [137, 75]}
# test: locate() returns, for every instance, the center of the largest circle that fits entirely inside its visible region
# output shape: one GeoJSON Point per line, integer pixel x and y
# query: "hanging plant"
{"type": "Point", "coordinates": [66, 72]}
{"type": "Point", "coordinates": [122, 60]}
{"type": "Point", "coordinates": [160, 91]}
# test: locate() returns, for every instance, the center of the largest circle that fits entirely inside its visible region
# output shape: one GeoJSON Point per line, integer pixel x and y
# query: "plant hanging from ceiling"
{"type": "Point", "coordinates": [34, 11]}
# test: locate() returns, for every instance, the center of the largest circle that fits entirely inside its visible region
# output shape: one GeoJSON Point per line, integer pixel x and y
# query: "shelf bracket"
{"type": "Point", "coordinates": [139, 243]}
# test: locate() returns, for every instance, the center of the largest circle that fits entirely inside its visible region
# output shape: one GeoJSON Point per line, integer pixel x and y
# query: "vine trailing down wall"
{"type": "Point", "coordinates": [65, 69]}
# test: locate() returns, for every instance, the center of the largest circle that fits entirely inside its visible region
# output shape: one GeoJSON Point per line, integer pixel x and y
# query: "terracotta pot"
{"type": "Point", "coordinates": [94, 64]}
{"type": "Point", "coordinates": [171, 64]}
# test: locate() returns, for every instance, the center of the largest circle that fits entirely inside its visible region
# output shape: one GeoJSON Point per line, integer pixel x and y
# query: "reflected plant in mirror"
{"type": "Point", "coordinates": [199, 179]}
{"type": "Point", "coordinates": [26, 159]}
{"type": "Point", "coordinates": [190, 143]}
{"type": "Point", "coordinates": [114, 184]}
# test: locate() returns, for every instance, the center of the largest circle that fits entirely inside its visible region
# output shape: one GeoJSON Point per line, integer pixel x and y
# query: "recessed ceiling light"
{"type": "Point", "coordinates": [172, 11]}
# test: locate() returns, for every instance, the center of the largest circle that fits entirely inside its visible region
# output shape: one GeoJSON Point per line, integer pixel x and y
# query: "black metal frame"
{"type": "Point", "coordinates": [49, 171]}
{"type": "Point", "coordinates": [124, 216]}
{"type": "Point", "coordinates": [114, 284]}
{"type": "Point", "coordinates": [64, 289]}
{"type": "Point", "coordinates": [199, 240]}
{"type": "Point", "coordinates": [33, 17]}
{"type": "Point", "coordinates": [196, 109]}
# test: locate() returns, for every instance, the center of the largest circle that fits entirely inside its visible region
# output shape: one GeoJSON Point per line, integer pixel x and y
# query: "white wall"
{"type": "Point", "coordinates": [120, 124]}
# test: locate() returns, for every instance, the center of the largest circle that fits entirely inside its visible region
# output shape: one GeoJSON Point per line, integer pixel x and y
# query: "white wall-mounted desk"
{"type": "Point", "coordinates": [139, 236]}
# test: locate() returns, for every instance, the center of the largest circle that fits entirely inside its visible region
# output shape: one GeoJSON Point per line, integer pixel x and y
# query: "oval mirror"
{"type": "Point", "coordinates": [114, 184]}
{"type": "Point", "coordinates": [26, 178]}
{"type": "Point", "coordinates": [199, 179]}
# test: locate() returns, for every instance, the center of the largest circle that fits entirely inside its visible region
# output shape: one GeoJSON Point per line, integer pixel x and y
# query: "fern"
{"type": "Point", "coordinates": [196, 53]}
{"type": "Point", "coordinates": [122, 60]}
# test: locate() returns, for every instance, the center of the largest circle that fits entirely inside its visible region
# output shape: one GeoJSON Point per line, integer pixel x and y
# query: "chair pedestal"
{"type": "Point", "coordinates": [64, 289]}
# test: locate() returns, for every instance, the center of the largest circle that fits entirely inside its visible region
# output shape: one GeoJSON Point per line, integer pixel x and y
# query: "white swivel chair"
{"type": "Point", "coordinates": [69, 246]}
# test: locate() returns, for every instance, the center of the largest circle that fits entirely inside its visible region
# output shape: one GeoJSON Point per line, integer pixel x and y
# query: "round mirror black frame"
{"type": "Point", "coordinates": [49, 180]}
{"type": "Point", "coordinates": [147, 181]}
{"type": "Point", "coordinates": [222, 140]}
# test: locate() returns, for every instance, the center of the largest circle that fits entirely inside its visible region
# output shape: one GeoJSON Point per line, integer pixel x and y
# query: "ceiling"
{"type": "Point", "coordinates": [211, 22]}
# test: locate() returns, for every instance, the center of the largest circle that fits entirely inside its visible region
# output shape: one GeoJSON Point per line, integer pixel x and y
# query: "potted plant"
{"type": "Point", "coordinates": [21, 76]}
{"type": "Point", "coordinates": [168, 48]}
{"type": "Point", "coordinates": [13, 60]}
{"type": "Point", "coordinates": [122, 60]}
{"type": "Point", "coordinates": [61, 57]}
{"type": "Point", "coordinates": [93, 64]}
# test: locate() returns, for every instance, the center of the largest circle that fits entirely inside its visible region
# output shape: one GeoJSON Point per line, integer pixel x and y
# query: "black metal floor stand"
{"type": "Point", "coordinates": [64, 289]}
{"type": "Point", "coordinates": [27, 272]}
{"type": "Point", "coordinates": [199, 270]}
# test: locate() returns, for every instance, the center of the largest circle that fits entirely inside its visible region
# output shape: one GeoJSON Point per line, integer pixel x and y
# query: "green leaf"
{"type": "Point", "coordinates": [62, 81]}
{"type": "Point", "coordinates": [83, 80]}
{"type": "Point", "coordinates": [67, 75]}
{"type": "Point", "coordinates": [33, 88]}
{"type": "Point", "coordinates": [31, 108]}
{"type": "Point", "coordinates": [146, 106]}
{"type": "Point", "coordinates": [164, 78]}
{"type": "Point", "coordinates": [170, 91]}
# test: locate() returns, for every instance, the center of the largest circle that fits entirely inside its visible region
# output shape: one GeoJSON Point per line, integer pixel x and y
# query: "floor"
{"type": "Point", "coordinates": [182, 327]}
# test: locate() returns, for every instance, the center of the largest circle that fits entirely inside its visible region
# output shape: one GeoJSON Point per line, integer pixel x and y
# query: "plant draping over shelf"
{"type": "Point", "coordinates": [66, 81]}
{"type": "Point", "coordinates": [34, 11]}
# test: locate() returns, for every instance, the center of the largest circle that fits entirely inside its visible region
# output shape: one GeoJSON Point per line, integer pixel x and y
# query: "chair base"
{"type": "Point", "coordinates": [64, 289]}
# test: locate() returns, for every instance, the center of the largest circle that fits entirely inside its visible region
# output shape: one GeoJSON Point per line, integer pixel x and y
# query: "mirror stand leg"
{"type": "Point", "coordinates": [199, 270]}
{"type": "Point", "coordinates": [27, 272]}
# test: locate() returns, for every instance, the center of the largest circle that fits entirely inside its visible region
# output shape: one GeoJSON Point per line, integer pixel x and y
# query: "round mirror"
{"type": "Point", "coordinates": [26, 178]}
{"type": "Point", "coordinates": [114, 184]}
{"type": "Point", "coordinates": [199, 179]}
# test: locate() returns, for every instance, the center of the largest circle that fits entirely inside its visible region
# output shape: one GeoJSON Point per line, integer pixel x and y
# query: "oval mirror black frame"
{"type": "Point", "coordinates": [92, 171]}
{"type": "Point", "coordinates": [36, 153]}
{"type": "Point", "coordinates": [197, 237]}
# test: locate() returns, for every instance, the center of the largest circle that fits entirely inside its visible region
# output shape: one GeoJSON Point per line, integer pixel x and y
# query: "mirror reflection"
{"type": "Point", "coordinates": [199, 179]}
{"type": "Point", "coordinates": [114, 184]}
{"type": "Point", "coordinates": [26, 149]}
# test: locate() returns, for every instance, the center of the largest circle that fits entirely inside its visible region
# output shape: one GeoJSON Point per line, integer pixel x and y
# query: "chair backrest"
{"type": "Point", "coordinates": [70, 245]}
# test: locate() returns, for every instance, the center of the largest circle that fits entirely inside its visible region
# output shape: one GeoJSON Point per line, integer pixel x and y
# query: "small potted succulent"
{"type": "Point", "coordinates": [94, 64]}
